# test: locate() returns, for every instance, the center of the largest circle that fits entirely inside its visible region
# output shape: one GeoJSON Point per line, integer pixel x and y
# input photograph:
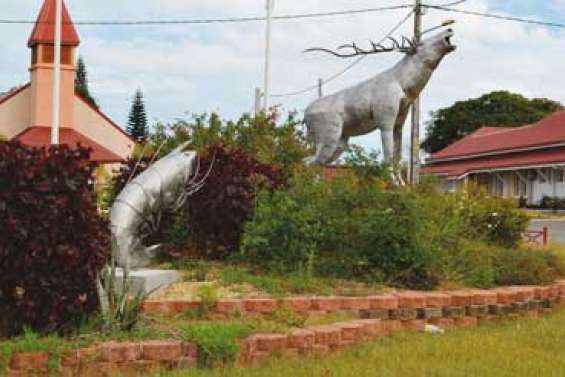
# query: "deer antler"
{"type": "Point", "coordinates": [407, 46]}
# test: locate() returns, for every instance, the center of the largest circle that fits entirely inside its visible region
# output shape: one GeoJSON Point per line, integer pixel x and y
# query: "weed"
{"type": "Point", "coordinates": [217, 343]}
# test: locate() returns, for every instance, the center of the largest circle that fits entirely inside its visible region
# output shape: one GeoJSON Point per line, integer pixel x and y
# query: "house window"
{"type": "Point", "coordinates": [558, 175]}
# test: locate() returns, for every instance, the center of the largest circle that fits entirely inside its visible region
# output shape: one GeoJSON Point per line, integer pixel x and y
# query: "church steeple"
{"type": "Point", "coordinates": [41, 42]}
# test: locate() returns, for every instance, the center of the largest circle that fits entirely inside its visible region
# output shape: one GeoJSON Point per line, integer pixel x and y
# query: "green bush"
{"type": "Point", "coordinates": [349, 229]}
{"type": "Point", "coordinates": [344, 229]}
{"type": "Point", "coordinates": [527, 266]}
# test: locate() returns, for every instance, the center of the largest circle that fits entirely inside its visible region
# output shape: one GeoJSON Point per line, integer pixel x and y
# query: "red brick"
{"type": "Point", "coordinates": [144, 367]}
{"type": "Point", "coordinates": [114, 352]}
{"type": "Point", "coordinates": [329, 304]}
{"type": "Point", "coordinates": [437, 300]}
{"type": "Point", "coordinates": [301, 339]}
{"type": "Point", "coordinates": [466, 321]}
{"type": "Point", "coordinates": [319, 350]}
{"type": "Point", "coordinates": [260, 305]}
{"type": "Point", "coordinates": [161, 350]}
{"type": "Point", "coordinates": [541, 293]}
{"type": "Point", "coordinates": [247, 347]}
{"type": "Point", "coordinates": [258, 358]}
{"type": "Point", "coordinates": [371, 327]}
{"type": "Point", "coordinates": [99, 370]}
{"type": "Point", "coordinates": [15, 373]}
{"type": "Point", "coordinates": [524, 294]}
{"type": "Point", "coordinates": [555, 290]}
{"type": "Point", "coordinates": [444, 323]}
{"type": "Point", "coordinates": [461, 298]}
{"type": "Point", "coordinates": [350, 331]}
{"type": "Point", "coordinates": [355, 303]}
{"type": "Point", "coordinates": [229, 306]}
{"type": "Point", "coordinates": [313, 314]}
{"type": "Point", "coordinates": [505, 295]}
{"type": "Point", "coordinates": [532, 314]}
{"type": "Point", "coordinates": [189, 350]}
{"type": "Point", "coordinates": [386, 302]}
{"type": "Point", "coordinates": [561, 285]}
{"type": "Point", "coordinates": [487, 319]}
{"type": "Point", "coordinates": [483, 297]}
{"type": "Point", "coordinates": [392, 326]}
{"type": "Point", "coordinates": [298, 304]}
{"type": "Point", "coordinates": [36, 360]}
{"type": "Point", "coordinates": [415, 325]}
{"type": "Point", "coordinates": [180, 306]}
{"type": "Point", "coordinates": [290, 353]}
{"type": "Point", "coordinates": [327, 335]}
{"type": "Point", "coordinates": [411, 300]}
{"type": "Point", "coordinates": [68, 371]}
{"type": "Point", "coordinates": [271, 343]}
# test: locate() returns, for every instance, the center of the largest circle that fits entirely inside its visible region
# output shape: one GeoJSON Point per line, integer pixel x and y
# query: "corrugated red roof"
{"type": "Point", "coordinates": [490, 140]}
{"type": "Point", "coordinates": [44, 29]}
{"type": "Point", "coordinates": [41, 137]}
{"type": "Point", "coordinates": [529, 159]}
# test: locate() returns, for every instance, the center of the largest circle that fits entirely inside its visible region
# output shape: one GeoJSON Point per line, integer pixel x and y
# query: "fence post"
{"type": "Point", "coordinates": [545, 236]}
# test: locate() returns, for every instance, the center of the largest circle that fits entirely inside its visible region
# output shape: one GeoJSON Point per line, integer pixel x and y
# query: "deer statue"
{"type": "Point", "coordinates": [382, 102]}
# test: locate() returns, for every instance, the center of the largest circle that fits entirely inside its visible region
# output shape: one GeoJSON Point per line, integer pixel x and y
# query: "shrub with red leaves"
{"type": "Point", "coordinates": [53, 243]}
{"type": "Point", "coordinates": [217, 213]}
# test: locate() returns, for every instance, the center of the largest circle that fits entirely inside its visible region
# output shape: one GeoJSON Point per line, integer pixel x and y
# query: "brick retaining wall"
{"type": "Point", "coordinates": [378, 316]}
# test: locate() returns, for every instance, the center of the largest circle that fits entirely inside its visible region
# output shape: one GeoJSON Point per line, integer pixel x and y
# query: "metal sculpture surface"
{"type": "Point", "coordinates": [382, 102]}
{"type": "Point", "coordinates": [136, 213]}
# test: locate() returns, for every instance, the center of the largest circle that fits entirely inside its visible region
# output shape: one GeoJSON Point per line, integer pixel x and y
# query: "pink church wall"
{"type": "Point", "coordinates": [15, 114]}
{"type": "Point", "coordinates": [93, 125]}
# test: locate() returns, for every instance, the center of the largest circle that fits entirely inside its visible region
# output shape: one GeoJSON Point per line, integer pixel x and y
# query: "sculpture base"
{"type": "Point", "coordinates": [148, 281]}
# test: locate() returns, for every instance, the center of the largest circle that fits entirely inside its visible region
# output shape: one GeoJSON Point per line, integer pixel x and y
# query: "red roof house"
{"type": "Point", "coordinates": [525, 162]}
{"type": "Point", "coordinates": [26, 112]}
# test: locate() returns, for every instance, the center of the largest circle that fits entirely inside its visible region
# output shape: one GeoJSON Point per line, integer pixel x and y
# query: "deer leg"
{"type": "Point", "coordinates": [327, 143]}
{"type": "Point", "coordinates": [387, 138]}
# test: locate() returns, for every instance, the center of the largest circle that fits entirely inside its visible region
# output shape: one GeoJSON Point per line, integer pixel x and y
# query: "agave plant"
{"type": "Point", "coordinates": [119, 306]}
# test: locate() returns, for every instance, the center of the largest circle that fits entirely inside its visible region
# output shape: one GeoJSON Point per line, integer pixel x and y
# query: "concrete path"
{"type": "Point", "coordinates": [556, 229]}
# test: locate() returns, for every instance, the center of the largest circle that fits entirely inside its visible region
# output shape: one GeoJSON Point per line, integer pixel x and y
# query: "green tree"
{"type": "Point", "coordinates": [496, 109]}
{"type": "Point", "coordinates": [81, 83]}
{"type": "Point", "coordinates": [137, 123]}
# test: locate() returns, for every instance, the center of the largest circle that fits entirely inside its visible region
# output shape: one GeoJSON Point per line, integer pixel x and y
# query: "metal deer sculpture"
{"type": "Point", "coordinates": [382, 102]}
{"type": "Point", "coordinates": [137, 211]}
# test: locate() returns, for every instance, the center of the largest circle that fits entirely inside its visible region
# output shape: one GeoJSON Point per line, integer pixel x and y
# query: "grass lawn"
{"type": "Point", "coordinates": [512, 349]}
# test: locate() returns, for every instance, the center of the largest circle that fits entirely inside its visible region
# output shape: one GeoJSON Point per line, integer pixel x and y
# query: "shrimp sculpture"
{"type": "Point", "coordinates": [137, 211]}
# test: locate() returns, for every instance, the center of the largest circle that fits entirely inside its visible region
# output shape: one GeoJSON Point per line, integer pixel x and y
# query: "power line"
{"type": "Point", "coordinates": [497, 16]}
{"type": "Point", "coordinates": [348, 67]}
{"type": "Point", "coordinates": [222, 20]}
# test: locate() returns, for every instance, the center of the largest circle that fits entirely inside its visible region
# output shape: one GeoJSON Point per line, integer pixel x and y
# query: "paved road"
{"type": "Point", "coordinates": [556, 229]}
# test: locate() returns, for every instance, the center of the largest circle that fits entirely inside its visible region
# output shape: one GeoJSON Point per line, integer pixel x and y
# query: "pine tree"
{"type": "Point", "coordinates": [137, 123]}
{"type": "Point", "coordinates": [81, 83]}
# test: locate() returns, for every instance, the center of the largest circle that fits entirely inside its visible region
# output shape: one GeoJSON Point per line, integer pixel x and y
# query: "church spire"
{"type": "Point", "coordinates": [44, 29]}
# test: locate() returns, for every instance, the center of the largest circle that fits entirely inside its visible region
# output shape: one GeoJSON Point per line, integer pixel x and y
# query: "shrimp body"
{"type": "Point", "coordinates": [138, 208]}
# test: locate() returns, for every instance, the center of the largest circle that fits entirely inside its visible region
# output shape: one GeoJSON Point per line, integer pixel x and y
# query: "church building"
{"type": "Point", "coordinates": [26, 111]}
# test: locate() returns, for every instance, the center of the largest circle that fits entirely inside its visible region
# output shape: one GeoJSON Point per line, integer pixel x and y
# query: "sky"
{"type": "Point", "coordinates": [186, 69]}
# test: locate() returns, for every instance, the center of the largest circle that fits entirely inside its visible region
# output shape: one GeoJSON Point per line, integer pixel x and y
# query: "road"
{"type": "Point", "coordinates": [556, 229]}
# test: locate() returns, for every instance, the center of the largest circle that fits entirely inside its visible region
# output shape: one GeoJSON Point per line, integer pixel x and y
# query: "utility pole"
{"type": "Point", "coordinates": [56, 110]}
{"type": "Point", "coordinates": [320, 85]}
{"type": "Point", "coordinates": [266, 92]}
{"type": "Point", "coordinates": [415, 139]}
{"type": "Point", "coordinates": [257, 101]}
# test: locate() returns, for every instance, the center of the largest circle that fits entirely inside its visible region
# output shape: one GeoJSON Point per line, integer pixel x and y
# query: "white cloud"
{"type": "Point", "coordinates": [215, 67]}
